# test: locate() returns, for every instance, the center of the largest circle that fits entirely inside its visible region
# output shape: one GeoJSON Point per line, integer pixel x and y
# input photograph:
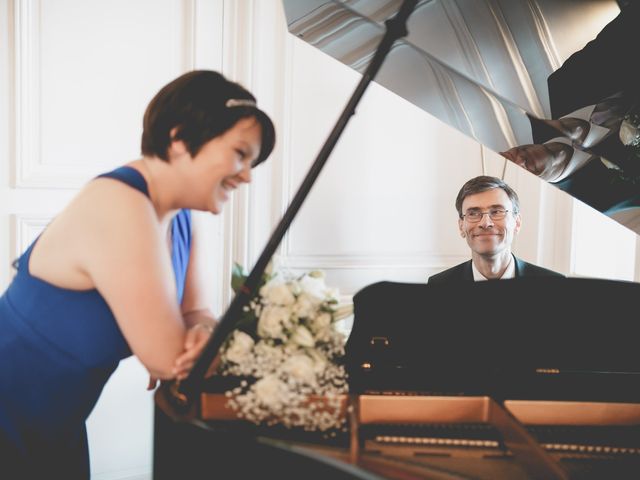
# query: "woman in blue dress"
{"type": "Point", "coordinates": [115, 274]}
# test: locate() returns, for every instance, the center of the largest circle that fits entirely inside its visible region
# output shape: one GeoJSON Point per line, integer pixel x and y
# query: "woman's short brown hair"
{"type": "Point", "coordinates": [201, 105]}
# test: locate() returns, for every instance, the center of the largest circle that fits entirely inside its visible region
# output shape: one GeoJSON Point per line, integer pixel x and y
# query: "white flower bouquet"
{"type": "Point", "coordinates": [286, 353]}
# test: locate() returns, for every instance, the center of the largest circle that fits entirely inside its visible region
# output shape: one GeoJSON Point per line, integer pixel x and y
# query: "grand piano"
{"type": "Point", "coordinates": [442, 384]}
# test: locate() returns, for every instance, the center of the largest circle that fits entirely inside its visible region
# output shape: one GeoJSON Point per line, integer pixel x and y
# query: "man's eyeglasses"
{"type": "Point", "coordinates": [474, 216]}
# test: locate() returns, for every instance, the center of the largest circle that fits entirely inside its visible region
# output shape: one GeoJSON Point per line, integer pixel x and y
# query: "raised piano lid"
{"type": "Point", "coordinates": [493, 69]}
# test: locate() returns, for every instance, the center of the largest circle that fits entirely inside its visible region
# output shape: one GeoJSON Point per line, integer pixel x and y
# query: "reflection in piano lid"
{"type": "Point", "coordinates": [487, 69]}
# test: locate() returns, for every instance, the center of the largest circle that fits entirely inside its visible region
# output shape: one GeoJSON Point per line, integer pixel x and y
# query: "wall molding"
{"type": "Point", "coordinates": [352, 273]}
{"type": "Point", "coordinates": [27, 94]}
{"type": "Point", "coordinates": [285, 173]}
{"type": "Point", "coordinates": [24, 229]}
{"type": "Point", "coordinates": [237, 23]}
{"type": "Point", "coordinates": [31, 167]}
{"type": "Point", "coordinates": [255, 50]}
{"type": "Point", "coordinates": [372, 261]}
{"type": "Point", "coordinates": [189, 34]}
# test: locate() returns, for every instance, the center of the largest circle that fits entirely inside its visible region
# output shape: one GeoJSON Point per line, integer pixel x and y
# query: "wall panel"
{"type": "Point", "coordinates": [84, 74]}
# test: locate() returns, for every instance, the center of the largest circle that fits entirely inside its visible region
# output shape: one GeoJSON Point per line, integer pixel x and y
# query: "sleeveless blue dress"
{"type": "Point", "coordinates": [58, 348]}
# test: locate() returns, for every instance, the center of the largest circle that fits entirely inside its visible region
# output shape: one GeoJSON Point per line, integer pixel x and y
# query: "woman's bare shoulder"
{"type": "Point", "coordinates": [87, 230]}
{"type": "Point", "coordinates": [112, 214]}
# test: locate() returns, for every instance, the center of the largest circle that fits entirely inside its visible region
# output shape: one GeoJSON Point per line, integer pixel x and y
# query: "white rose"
{"type": "Point", "coordinates": [320, 322]}
{"type": "Point", "coordinates": [269, 390]}
{"type": "Point", "coordinates": [264, 290]}
{"type": "Point", "coordinates": [319, 361]}
{"type": "Point", "coordinates": [303, 337]}
{"type": "Point", "coordinates": [280, 295]}
{"type": "Point", "coordinates": [332, 294]}
{"type": "Point", "coordinates": [313, 285]}
{"type": "Point", "coordinates": [240, 347]}
{"type": "Point", "coordinates": [306, 305]}
{"type": "Point", "coordinates": [268, 352]}
{"type": "Point", "coordinates": [272, 320]}
{"type": "Point", "coordinates": [301, 368]}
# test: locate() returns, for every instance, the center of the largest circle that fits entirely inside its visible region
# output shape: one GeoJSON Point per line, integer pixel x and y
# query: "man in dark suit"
{"type": "Point", "coordinates": [489, 218]}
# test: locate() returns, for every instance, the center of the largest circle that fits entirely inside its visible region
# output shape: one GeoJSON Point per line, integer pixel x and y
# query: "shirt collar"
{"type": "Point", "coordinates": [510, 272]}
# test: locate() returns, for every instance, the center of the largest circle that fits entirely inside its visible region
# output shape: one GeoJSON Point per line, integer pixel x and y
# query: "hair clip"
{"type": "Point", "coordinates": [239, 102]}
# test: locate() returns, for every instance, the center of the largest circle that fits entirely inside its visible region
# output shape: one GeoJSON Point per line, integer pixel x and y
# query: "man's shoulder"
{"type": "Point", "coordinates": [463, 272]}
{"type": "Point", "coordinates": [526, 269]}
{"type": "Point", "coordinates": [457, 273]}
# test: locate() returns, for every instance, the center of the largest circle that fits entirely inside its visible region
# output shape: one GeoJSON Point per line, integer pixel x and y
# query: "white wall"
{"type": "Point", "coordinates": [75, 76]}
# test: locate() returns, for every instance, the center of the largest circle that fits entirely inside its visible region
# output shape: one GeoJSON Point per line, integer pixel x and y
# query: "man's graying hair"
{"type": "Point", "coordinates": [482, 184]}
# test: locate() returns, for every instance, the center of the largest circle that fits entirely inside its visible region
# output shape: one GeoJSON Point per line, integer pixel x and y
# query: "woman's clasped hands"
{"type": "Point", "coordinates": [196, 338]}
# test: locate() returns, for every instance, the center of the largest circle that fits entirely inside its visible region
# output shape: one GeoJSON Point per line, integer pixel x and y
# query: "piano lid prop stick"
{"type": "Point", "coordinates": [181, 395]}
{"type": "Point", "coordinates": [538, 464]}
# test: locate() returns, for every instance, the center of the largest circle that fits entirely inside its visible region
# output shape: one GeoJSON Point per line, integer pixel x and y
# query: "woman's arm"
{"type": "Point", "coordinates": [125, 254]}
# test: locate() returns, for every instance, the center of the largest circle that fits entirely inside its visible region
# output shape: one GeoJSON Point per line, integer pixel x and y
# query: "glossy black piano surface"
{"type": "Point", "coordinates": [507, 339]}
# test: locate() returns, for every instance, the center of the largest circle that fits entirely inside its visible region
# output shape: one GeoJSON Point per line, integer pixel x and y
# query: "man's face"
{"type": "Point", "coordinates": [489, 237]}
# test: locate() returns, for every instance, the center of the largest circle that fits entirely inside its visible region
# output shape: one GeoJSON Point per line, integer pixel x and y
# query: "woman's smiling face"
{"type": "Point", "coordinates": [221, 165]}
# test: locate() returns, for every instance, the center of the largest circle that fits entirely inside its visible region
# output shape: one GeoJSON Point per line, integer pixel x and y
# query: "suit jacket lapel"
{"type": "Point", "coordinates": [520, 267]}
{"type": "Point", "coordinates": [467, 272]}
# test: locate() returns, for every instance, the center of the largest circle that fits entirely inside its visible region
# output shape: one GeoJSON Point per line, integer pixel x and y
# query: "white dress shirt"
{"type": "Point", "coordinates": [510, 272]}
